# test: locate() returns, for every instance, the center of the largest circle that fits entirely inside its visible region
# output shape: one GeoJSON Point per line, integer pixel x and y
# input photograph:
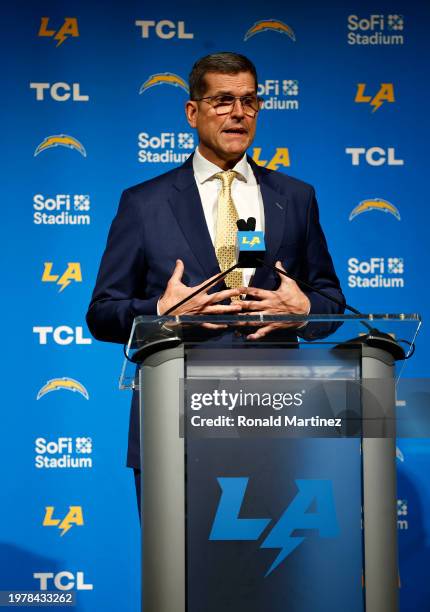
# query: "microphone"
{"type": "Point", "coordinates": [251, 223]}
{"type": "Point", "coordinates": [250, 246]}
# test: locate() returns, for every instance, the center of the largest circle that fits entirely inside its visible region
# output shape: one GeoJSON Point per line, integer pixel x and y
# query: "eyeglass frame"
{"type": "Point", "coordinates": [259, 99]}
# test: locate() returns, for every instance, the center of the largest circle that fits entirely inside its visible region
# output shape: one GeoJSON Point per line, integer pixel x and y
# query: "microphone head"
{"type": "Point", "coordinates": [250, 249]}
{"type": "Point", "coordinates": [241, 225]}
{"type": "Point", "coordinates": [251, 224]}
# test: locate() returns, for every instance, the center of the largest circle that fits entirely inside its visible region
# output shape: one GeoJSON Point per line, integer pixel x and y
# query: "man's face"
{"type": "Point", "coordinates": [223, 138]}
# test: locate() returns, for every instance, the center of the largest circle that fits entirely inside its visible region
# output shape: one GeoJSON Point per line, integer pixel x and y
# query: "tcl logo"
{"type": "Point", "coordinates": [375, 156]}
{"type": "Point", "coordinates": [164, 29]}
{"type": "Point", "coordinates": [60, 92]}
{"type": "Point", "coordinates": [63, 581]}
{"type": "Point", "coordinates": [61, 335]}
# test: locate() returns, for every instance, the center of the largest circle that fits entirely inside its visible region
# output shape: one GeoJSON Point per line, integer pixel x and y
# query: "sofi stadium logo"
{"type": "Point", "coordinates": [270, 25]}
{"type": "Point", "coordinates": [375, 30]}
{"type": "Point", "coordinates": [299, 515]}
{"type": "Point", "coordinates": [63, 452]}
{"type": "Point", "coordinates": [165, 147]}
{"type": "Point", "coordinates": [74, 517]}
{"type": "Point", "coordinates": [61, 209]}
{"type": "Point", "coordinates": [402, 515]}
{"type": "Point", "coordinates": [279, 94]}
{"type": "Point", "coordinates": [376, 272]}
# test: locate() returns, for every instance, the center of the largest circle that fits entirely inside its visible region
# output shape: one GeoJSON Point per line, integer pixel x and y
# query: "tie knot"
{"type": "Point", "coordinates": [227, 177]}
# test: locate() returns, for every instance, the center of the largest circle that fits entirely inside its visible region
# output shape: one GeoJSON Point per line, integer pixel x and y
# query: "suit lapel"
{"type": "Point", "coordinates": [186, 205]}
{"type": "Point", "coordinates": [275, 208]}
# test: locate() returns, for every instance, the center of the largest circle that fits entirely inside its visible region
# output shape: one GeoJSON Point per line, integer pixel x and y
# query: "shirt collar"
{"type": "Point", "coordinates": [204, 169]}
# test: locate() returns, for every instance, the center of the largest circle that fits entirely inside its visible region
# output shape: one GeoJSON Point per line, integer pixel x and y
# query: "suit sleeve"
{"type": "Point", "coordinates": [319, 269]}
{"type": "Point", "coordinates": [119, 293]}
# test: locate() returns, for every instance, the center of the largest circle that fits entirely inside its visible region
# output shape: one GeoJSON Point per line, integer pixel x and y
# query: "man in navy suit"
{"type": "Point", "coordinates": [161, 245]}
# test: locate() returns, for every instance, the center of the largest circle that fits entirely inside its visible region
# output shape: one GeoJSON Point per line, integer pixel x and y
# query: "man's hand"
{"type": "Point", "coordinates": [203, 303]}
{"type": "Point", "coordinates": [287, 299]}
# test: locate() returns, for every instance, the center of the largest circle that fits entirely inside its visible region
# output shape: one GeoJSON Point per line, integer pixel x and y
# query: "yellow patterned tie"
{"type": "Point", "coordinates": [226, 230]}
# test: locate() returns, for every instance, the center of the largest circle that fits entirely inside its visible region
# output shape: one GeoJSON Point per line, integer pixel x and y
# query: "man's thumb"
{"type": "Point", "coordinates": [283, 277]}
{"type": "Point", "coordinates": [178, 271]}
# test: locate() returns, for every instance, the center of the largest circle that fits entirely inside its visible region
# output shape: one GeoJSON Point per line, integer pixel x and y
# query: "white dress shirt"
{"type": "Point", "coordinates": [245, 192]}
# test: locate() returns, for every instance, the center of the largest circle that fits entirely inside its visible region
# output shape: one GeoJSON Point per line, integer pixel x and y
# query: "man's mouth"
{"type": "Point", "coordinates": [237, 130]}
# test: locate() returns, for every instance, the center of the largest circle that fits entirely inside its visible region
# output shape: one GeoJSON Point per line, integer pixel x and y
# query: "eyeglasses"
{"type": "Point", "coordinates": [224, 104]}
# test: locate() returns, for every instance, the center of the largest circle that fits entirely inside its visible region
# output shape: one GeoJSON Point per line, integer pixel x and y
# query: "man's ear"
{"type": "Point", "coordinates": [191, 111]}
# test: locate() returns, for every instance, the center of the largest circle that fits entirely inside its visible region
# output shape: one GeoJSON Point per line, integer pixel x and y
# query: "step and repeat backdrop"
{"type": "Point", "coordinates": [93, 103]}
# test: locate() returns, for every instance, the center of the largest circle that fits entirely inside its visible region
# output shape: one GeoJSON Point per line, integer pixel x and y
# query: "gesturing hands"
{"type": "Point", "coordinates": [287, 299]}
{"type": "Point", "coordinates": [202, 303]}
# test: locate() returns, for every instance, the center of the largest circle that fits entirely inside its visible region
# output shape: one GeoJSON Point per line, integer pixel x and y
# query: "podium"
{"type": "Point", "coordinates": [268, 467]}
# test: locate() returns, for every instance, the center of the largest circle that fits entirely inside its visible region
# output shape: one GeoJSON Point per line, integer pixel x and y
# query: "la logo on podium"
{"type": "Point", "coordinates": [228, 526]}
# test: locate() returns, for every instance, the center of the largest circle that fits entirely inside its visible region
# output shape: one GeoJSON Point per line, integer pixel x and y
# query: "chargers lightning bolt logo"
{"type": "Point", "coordinates": [375, 204]}
{"type": "Point", "coordinates": [228, 526]}
{"type": "Point", "coordinates": [60, 140]}
{"type": "Point", "coordinates": [164, 78]}
{"type": "Point", "coordinates": [267, 25]}
{"type": "Point", "coordinates": [68, 384]}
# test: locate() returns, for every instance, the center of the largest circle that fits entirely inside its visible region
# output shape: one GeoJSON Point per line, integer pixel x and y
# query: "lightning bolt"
{"type": "Point", "coordinates": [376, 104]}
{"type": "Point", "coordinates": [297, 516]}
{"type": "Point", "coordinates": [67, 528]}
{"type": "Point", "coordinates": [60, 37]}
{"type": "Point", "coordinates": [60, 140]}
{"type": "Point", "coordinates": [68, 384]}
{"type": "Point", "coordinates": [63, 284]}
{"type": "Point", "coordinates": [280, 537]}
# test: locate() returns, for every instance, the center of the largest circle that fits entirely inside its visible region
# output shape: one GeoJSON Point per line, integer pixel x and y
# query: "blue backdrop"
{"type": "Point", "coordinates": [93, 103]}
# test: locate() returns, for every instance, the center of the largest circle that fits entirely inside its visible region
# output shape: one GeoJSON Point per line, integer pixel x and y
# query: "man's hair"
{"type": "Point", "coordinates": [224, 63]}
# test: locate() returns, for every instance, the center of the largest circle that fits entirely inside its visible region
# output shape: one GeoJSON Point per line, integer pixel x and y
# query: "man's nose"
{"type": "Point", "coordinates": [237, 110]}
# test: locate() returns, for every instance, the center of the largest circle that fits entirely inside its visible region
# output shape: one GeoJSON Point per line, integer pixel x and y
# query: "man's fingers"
{"type": "Point", "coordinates": [220, 296]}
{"type": "Point", "coordinates": [250, 306]}
{"type": "Point", "coordinates": [214, 325]}
{"type": "Point", "coordinates": [255, 292]}
{"type": "Point", "coordinates": [178, 271]}
{"type": "Point", "coordinates": [262, 331]}
{"type": "Point", "coordinates": [285, 280]}
{"type": "Point", "coordinates": [221, 309]}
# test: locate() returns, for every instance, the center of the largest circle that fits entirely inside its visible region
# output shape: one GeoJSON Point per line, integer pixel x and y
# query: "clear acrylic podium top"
{"type": "Point", "coordinates": [150, 334]}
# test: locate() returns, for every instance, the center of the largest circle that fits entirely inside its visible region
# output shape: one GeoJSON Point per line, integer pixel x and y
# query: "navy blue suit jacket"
{"type": "Point", "coordinates": [162, 219]}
